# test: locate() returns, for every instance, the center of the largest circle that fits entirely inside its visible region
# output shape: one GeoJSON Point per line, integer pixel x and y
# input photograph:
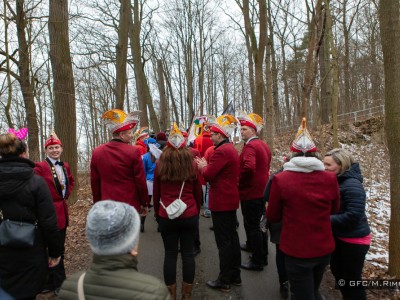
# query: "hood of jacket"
{"type": "Point", "coordinates": [353, 172]}
{"type": "Point", "coordinates": [14, 174]}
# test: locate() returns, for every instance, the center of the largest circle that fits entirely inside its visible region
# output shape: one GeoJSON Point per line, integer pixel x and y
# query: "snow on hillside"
{"type": "Point", "coordinates": [375, 168]}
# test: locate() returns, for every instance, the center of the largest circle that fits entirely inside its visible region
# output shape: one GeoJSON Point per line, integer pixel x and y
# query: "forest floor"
{"type": "Point", "coordinates": [364, 140]}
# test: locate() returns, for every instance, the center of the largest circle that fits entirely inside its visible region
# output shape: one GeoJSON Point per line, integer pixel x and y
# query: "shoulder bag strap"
{"type": "Point", "coordinates": [81, 293]}
{"type": "Point", "coordinates": [180, 194]}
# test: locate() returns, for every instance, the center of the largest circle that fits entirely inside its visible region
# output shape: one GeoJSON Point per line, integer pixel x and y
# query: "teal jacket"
{"type": "Point", "coordinates": [115, 277]}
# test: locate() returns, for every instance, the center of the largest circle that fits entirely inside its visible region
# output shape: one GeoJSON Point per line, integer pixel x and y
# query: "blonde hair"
{"type": "Point", "coordinates": [342, 157]}
{"type": "Point", "coordinates": [10, 145]}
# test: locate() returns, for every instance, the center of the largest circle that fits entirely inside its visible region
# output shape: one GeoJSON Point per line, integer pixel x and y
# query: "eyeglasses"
{"type": "Point", "coordinates": [213, 133]}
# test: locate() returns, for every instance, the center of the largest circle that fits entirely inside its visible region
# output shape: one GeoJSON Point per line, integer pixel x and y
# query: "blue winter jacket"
{"type": "Point", "coordinates": [351, 220]}
{"type": "Point", "coordinates": [149, 166]}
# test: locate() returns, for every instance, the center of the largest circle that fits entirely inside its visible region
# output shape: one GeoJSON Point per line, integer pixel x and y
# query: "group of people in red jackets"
{"type": "Point", "coordinates": [303, 198]}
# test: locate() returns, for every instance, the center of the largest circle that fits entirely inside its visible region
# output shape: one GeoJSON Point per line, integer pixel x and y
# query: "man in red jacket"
{"type": "Point", "coordinates": [222, 172]}
{"type": "Point", "coordinates": [60, 181]}
{"type": "Point", "coordinates": [116, 168]}
{"type": "Point", "coordinates": [255, 162]}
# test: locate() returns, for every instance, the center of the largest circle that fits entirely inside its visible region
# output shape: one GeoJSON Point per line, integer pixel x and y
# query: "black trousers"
{"type": "Point", "coordinates": [227, 240]}
{"type": "Point", "coordinates": [175, 233]}
{"type": "Point", "coordinates": [347, 263]}
{"type": "Point", "coordinates": [56, 275]}
{"type": "Point", "coordinates": [305, 276]}
{"type": "Point", "coordinates": [280, 264]}
{"type": "Point", "coordinates": [257, 240]}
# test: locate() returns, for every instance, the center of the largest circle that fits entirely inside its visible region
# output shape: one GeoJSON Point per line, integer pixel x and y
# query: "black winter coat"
{"type": "Point", "coordinates": [351, 220]}
{"type": "Point", "coordinates": [274, 228]}
{"type": "Point", "coordinates": [25, 196]}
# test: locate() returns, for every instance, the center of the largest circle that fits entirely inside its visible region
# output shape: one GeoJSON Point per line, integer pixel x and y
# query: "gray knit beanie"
{"type": "Point", "coordinates": [112, 228]}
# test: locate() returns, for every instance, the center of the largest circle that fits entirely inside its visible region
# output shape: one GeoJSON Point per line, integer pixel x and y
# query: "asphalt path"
{"type": "Point", "coordinates": [255, 285]}
{"type": "Point", "coordinates": [262, 285]}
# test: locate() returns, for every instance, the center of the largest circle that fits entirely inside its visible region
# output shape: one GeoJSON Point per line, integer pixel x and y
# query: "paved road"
{"type": "Point", "coordinates": [255, 285]}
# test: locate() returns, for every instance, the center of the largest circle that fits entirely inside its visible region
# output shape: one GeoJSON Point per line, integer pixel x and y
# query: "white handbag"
{"type": "Point", "coordinates": [177, 207]}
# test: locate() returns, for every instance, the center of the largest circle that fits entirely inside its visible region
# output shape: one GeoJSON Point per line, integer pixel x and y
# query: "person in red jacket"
{"type": "Point", "coordinates": [60, 181]}
{"type": "Point", "coordinates": [175, 177]}
{"type": "Point", "coordinates": [222, 172]}
{"type": "Point", "coordinates": [116, 168]}
{"type": "Point", "coordinates": [140, 136]}
{"type": "Point", "coordinates": [195, 153]}
{"type": "Point", "coordinates": [255, 160]}
{"type": "Point", "coordinates": [303, 197]}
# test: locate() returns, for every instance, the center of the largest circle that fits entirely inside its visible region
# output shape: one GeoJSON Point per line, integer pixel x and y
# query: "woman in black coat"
{"type": "Point", "coordinates": [25, 197]}
{"type": "Point", "coordinates": [350, 225]}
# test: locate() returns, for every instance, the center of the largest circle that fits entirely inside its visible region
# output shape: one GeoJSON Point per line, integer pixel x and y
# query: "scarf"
{"type": "Point", "coordinates": [304, 165]}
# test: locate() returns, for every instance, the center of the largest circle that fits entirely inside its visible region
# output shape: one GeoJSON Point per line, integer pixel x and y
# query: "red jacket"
{"type": "Point", "coordinates": [141, 146]}
{"type": "Point", "coordinates": [304, 201]}
{"type": "Point", "coordinates": [255, 161]}
{"type": "Point", "coordinates": [203, 142]}
{"type": "Point", "coordinates": [43, 169]}
{"type": "Point", "coordinates": [209, 152]}
{"type": "Point", "coordinates": [168, 191]}
{"type": "Point", "coordinates": [222, 172]}
{"type": "Point", "coordinates": [117, 173]}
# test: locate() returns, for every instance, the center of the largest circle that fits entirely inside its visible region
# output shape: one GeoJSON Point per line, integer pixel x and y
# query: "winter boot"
{"type": "Point", "coordinates": [172, 290]}
{"type": "Point", "coordinates": [284, 289]}
{"type": "Point", "coordinates": [142, 220]}
{"type": "Point", "coordinates": [186, 290]}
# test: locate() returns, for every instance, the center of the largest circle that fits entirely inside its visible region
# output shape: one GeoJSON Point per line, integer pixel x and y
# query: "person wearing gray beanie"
{"type": "Point", "coordinates": [112, 229]}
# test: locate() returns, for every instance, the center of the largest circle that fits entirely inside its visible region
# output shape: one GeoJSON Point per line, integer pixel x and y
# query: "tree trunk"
{"type": "Point", "coordinates": [346, 61]}
{"type": "Point", "coordinates": [9, 83]}
{"type": "Point", "coordinates": [285, 87]}
{"type": "Point", "coordinates": [389, 17]}
{"type": "Point", "coordinates": [335, 74]}
{"type": "Point", "coordinates": [171, 94]}
{"type": "Point", "coordinates": [324, 72]}
{"type": "Point", "coordinates": [27, 86]}
{"type": "Point", "coordinates": [63, 85]}
{"type": "Point", "coordinates": [313, 47]}
{"type": "Point", "coordinates": [142, 87]}
{"type": "Point", "coordinates": [274, 68]}
{"type": "Point", "coordinates": [375, 74]}
{"type": "Point", "coordinates": [122, 52]}
{"type": "Point", "coordinates": [257, 51]}
{"type": "Point", "coordinates": [163, 97]}
{"type": "Point", "coordinates": [269, 105]}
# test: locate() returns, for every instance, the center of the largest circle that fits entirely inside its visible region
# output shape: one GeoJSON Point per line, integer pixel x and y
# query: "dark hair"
{"type": "Point", "coordinates": [11, 146]}
{"type": "Point", "coordinates": [176, 165]}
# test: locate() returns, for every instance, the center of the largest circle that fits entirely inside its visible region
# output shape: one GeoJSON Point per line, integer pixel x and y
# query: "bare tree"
{"type": "Point", "coordinates": [256, 49]}
{"type": "Point", "coordinates": [26, 82]}
{"type": "Point", "coordinates": [121, 52]}
{"type": "Point", "coordinates": [163, 96]}
{"type": "Point", "coordinates": [63, 84]}
{"type": "Point", "coordinates": [316, 33]}
{"type": "Point", "coordinates": [142, 88]}
{"type": "Point", "coordinates": [389, 17]}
